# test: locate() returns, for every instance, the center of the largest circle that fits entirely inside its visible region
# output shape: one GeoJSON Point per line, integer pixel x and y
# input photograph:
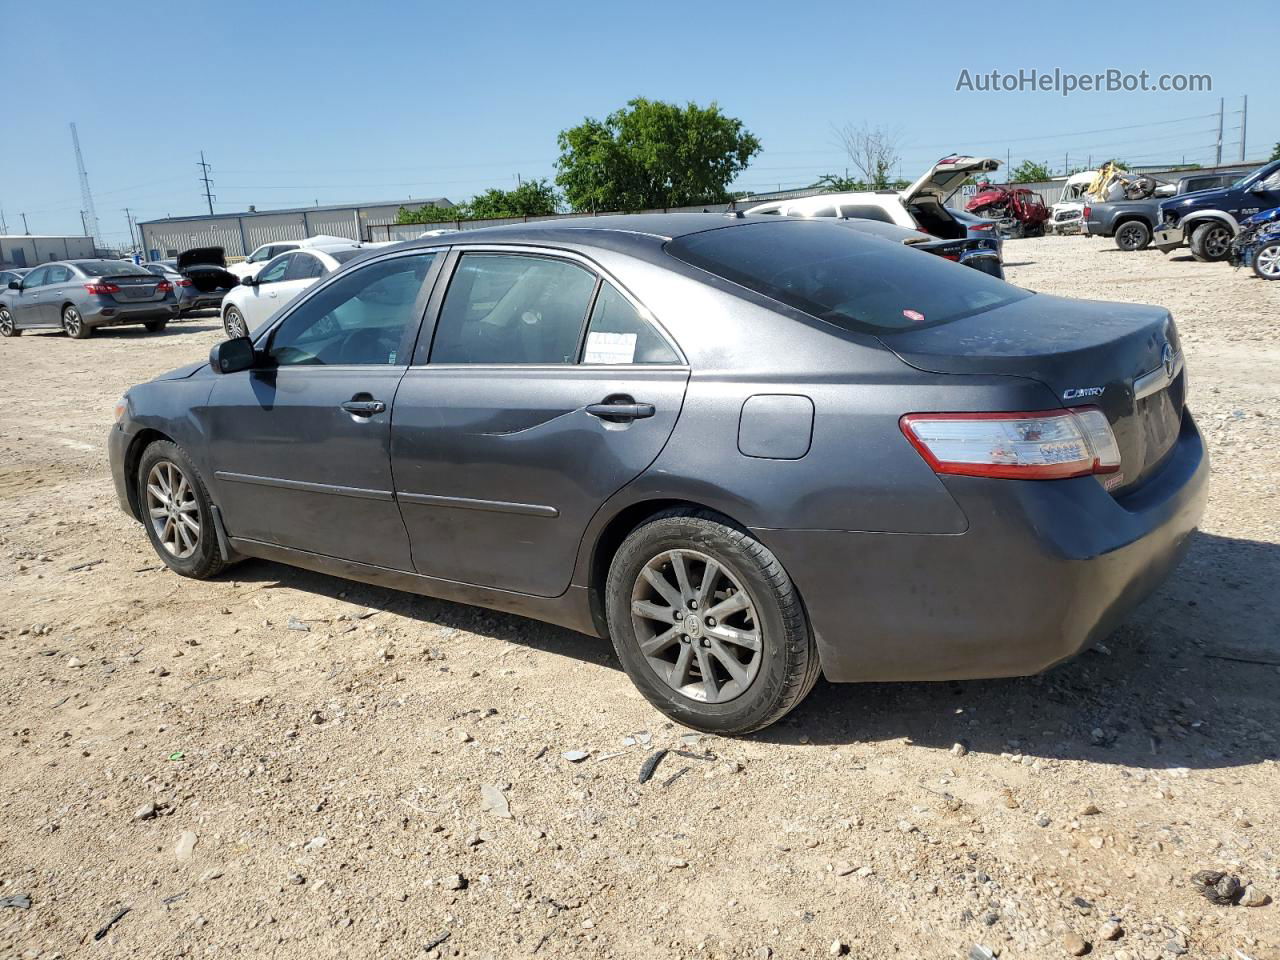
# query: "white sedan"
{"type": "Point", "coordinates": [282, 278]}
{"type": "Point", "coordinates": [253, 264]}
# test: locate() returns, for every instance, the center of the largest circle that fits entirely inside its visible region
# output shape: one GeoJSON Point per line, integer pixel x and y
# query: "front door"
{"type": "Point", "coordinates": [24, 304]}
{"type": "Point", "coordinates": [262, 299]}
{"type": "Point", "coordinates": [300, 445]}
{"type": "Point", "coordinates": [527, 418]}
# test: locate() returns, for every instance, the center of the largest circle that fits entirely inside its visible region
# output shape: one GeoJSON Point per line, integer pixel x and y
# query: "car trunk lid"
{"type": "Point", "coordinates": [134, 287]}
{"type": "Point", "coordinates": [945, 177]}
{"type": "Point", "coordinates": [1122, 358]}
{"type": "Point", "coordinates": [206, 268]}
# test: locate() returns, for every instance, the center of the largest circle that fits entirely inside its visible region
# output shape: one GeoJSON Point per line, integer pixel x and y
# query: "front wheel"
{"type": "Point", "coordinates": [177, 512]}
{"type": "Point", "coordinates": [708, 625]}
{"type": "Point", "coordinates": [1266, 262]}
{"type": "Point", "coordinates": [73, 324]}
{"type": "Point", "coordinates": [233, 323]}
{"type": "Point", "coordinates": [1133, 235]}
{"type": "Point", "coordinates": [1211, 242]}
{"type": "Point", "coordinates": [7, 327]}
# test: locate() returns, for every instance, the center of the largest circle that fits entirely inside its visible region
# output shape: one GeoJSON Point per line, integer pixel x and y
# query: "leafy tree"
{"type": "Point", "coordinates": [834, 183]}
{"type": "Point", "coordinates": [533, 198]}
{"type": "Point", "coordinates": [1030, 172]}
{"type": "Point", "coordinates": [653, 154]}
{"type": "Point", "coordinates": [1275, 154]}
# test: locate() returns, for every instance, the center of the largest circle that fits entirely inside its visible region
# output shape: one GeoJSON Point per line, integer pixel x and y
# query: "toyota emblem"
{"type": "Point", "coordinates": [1166, 358]}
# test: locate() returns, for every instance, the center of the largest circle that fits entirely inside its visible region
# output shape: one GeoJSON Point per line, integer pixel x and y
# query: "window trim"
{"type": "Point", "coordinates": [426, 339]}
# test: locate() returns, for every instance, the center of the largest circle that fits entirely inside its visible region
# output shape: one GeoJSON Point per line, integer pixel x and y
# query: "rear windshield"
{"type": "Point", "coordinates": [342, 256]}
{"type": "Point", "coordinates": [843, 276]}
{"type": "Point", "coordinates": [109, 268]}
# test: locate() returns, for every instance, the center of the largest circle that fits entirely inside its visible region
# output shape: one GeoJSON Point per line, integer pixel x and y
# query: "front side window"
{"type": "Point", "coordinates": [303, 266]}
{"type": "Point", "coordinates": [36, 278]}
{"type": "Point", "coordinates": [618, 333]}
{"type": "Point", "coordinates": [510, 308]}
{"type": "Point", "coordinates": [274, 272]}
{"type": "Point", "coordinates": [361, 318]}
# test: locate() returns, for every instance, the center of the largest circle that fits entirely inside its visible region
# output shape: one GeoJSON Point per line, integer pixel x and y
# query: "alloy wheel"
{"type": "Point", "coordinates": [1217, 241]}
{"type": "Point", "coordinates": [173, 510]}
{"type": "Point", "coordinates": [1267, 262]}
{"type": "Point", "coordinates": [696, 626]}
{"type": "Point", "coordinates": [71, 322]}
{"type": "Point", "coordinates": [6, 323]}
{"type": "Point", "coordinates": [234, 324]}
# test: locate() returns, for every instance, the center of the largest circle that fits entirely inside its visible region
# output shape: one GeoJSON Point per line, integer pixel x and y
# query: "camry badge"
{"type": "Point", "coordinates": [1078, 392]}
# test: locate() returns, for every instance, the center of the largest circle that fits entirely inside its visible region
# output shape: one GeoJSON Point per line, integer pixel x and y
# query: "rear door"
{"type": "Point", "coordinates": [548, 389]}
{"type": "Point", "coordinates": [55, 292]}
{"type": "Point", "coordinates": [300, 444]}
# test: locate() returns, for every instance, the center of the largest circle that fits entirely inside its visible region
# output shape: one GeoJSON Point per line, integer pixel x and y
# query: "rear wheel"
{"type": "Point", "coordinates": [708, 625]}
{"type": "Point", "coordinates": [1211, 242]}
{"type": "Point", "coordinates": [7, 327]}
{"type": "Point", "coordinates": [156, 326]}
{"type": "Point", "coordinates": [1266, 262]}
{"type": "Point", "coordinates": [233, 323]}
{"type": "Point", "coordinates": [177, 512]}
{"type": "Point", "coordinates": [73, 324]}
{"type": "Point", "coordinates": [1133, 235]}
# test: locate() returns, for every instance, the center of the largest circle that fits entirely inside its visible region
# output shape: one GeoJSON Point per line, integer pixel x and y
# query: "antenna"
{"type": "Point", "coordinates": [86, 195]}
{"type": "Point", "coordinates": [204, 169]}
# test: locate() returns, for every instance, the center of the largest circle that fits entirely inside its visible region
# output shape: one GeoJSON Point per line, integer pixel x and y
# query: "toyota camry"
{"type": "Point", "coordinates": [746, 450]}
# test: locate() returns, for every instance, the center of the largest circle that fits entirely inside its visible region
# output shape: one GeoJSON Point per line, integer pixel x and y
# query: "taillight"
{"type": "Point", "coordinates": [184, 282]}
{"type": "Point", "coordinates": [101, 288]}
{"type": "Point", "coordinates": [1086, 212]}
{"type": "Point", "coordinates": [164, 286]}
{"type": "Point", "coordinates": [983, 226]}
{"type": "Point", "coordinates": [954, 257]}
{"type": "Point", "coordinates": [1042, 445]}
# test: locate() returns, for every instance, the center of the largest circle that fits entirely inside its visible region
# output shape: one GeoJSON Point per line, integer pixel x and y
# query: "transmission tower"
{"type": "Point", "coordinates": [86, 195]}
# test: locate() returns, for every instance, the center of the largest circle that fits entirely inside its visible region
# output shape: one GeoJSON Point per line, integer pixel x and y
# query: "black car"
{"type": "Point", "coordinates": [200, 277]}
{"type": "Point", "coordinates": [747, 450]}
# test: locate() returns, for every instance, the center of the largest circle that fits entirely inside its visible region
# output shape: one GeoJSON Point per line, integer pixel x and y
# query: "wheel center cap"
{"type": "Point", "coordinates": [693, 627]}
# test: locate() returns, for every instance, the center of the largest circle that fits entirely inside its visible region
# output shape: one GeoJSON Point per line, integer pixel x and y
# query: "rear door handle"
{"type": "Point", "coordinates": [620, 412]}
{"type": "Point", "coordinates": [364, 408]}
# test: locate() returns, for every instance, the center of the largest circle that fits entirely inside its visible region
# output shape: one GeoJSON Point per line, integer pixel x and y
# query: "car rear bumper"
{"type": "Point", "coordinates": [1045, 570]}
{"type": "Point", "coordinates": [115, 314]}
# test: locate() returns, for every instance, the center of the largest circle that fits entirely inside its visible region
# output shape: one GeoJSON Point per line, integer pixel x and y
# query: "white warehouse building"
{"type": "Point", "coordinates": [239, 234]}
{"type": "Point", "coordinates": [20, 250]}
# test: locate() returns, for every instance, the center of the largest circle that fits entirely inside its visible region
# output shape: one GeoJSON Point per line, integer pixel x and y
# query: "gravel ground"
{"type": "Point", "coordinates": [280, 763]}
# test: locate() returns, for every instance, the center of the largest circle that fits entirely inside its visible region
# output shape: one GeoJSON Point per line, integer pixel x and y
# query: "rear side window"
{"type": "Point", "coordinates": [503, 308]}
{"type": "Point", "coordinates": [303, 266]}
{"type": "Point", "coordinates": [824, 212]}
{"type": "Point", "coordinates": [845, 277]}
{"type": "Point", "coordinates": [618, 334]}
{"type": "Point", "coordinates": [866, 211]}
{"type": "Point", "coordinates": [58, 274]}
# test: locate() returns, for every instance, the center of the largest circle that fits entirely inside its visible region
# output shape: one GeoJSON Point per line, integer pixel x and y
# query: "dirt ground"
{"type": "Point", "coordinates": [366, 773]}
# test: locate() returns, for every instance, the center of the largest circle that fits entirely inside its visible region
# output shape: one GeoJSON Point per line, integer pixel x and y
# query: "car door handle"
{"type": "Point", "coordinates": [619, 412]}
{"type": "Point", "coordinates": [364, 408]}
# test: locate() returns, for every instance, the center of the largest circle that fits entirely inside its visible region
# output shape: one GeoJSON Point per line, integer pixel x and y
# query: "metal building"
{"type": "Point", "coordinates": [239, 234]}
{"type": "Point", "coordinates": [22, 250]}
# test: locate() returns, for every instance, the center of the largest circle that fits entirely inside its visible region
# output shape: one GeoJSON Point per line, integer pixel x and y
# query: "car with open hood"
{"type": "Point", "coordinates": [748, 450]}
{"type": "Point", "coordinates": [921, 206]}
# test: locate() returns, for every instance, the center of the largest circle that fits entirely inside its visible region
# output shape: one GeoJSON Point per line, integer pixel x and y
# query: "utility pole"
{"type": "Point", "coordinates": [204, 169]}
{"type": "Point", "coordinates": [83, 225]}
{"type": "Point", "coordinates": [1222, 101]}
{"type": "Point", "coordinates": [1244, 125]}
{"type": "Point", "coordinates": [4, 226]}
{"type": "Point", "coordinates": [25, 228]}
{"type": "Point", "coordinates": [129, 219]}
{"type": "Point", "coordinates": [1066, 163]}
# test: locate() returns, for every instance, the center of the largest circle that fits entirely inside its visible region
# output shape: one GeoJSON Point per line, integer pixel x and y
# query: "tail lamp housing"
{"type": "Point", "coordinates": [1037, 445]}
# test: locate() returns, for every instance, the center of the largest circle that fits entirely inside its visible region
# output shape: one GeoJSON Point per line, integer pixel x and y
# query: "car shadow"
{"type": "Point", "coordinates": [1188, 680]}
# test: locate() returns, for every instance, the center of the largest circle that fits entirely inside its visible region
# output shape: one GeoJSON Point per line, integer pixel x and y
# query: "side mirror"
{"type": "Point", "coordinates": [249, 281]}
{"type": "Point", "coordinates": [15, 284]}
{"type": "Point", "coordinates": [232, 356]}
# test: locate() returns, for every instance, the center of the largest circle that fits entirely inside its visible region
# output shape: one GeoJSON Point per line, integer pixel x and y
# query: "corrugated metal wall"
{"type": "Point", "coordinates": [29, 251]}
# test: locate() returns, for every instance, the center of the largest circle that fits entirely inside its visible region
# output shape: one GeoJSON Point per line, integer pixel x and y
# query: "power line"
{"type": "Point", "coordinates": [204, 168]}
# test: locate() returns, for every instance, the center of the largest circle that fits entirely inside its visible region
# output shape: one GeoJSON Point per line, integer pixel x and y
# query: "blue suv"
{"type": "Point", "coordinates": [1208, 220]}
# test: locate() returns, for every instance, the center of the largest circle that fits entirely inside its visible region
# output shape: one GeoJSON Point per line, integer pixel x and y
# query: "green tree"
{"type": "Point", "coordinates": [1275, 154]}
{"type": "Point", "coordinates": [1030, 172]}
{"type": "Point", "coordinates": [430, 214]}
{"type": "Point", "coordinates": [533, 198]}
{"type": "Point", "coordinates": [834, 183]}
{"type": "Point", "coordinates": [653, 154]}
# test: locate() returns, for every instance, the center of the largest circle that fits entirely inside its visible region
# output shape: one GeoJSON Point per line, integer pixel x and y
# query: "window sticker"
{"type": "Point", "coordinates": [610, 348]}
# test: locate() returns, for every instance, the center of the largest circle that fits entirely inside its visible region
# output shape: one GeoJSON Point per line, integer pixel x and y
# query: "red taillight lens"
{"type": "Point", "coordinates": [184, 282]}
{"type": "Point", "coordinates": [164, 286]}
{"type": "Point", "coordinates": [951, 256]}
{"type": "Point", "coordinates": [983, 226]}
{"type": "Point", "coordinates": [1086, 212]}
{"type": "Point", "coordinates": [100, 288]}
{"type": "Point", "coordinates": [1042, 445]}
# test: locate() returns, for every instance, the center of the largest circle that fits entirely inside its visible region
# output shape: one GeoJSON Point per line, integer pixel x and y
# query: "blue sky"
{"type": "Point", "coordinates": [329, 101]}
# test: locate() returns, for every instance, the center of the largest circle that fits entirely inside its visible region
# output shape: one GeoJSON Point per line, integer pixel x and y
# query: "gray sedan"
{"type": "Point", "coordinates": [746, 450]}
{"type": "Point", "coordinates": [79, 296]}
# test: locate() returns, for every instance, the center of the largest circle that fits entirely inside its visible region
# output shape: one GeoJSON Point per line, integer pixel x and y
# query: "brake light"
{"type": "Point", "coordinates": [1041, 445]}
{"type": "Point", "coordinates": [184, 282]}
{"type": "Point", "coordinates": [99, 289]}
{"type": "Point", "coordinates": [955, 257]}
{"type": "Point", "coordinates": [1086, 212]}
{"type": "Point", "coordinates": [983, 226]}
{"type": "Point", "coordinates": [164, 286]}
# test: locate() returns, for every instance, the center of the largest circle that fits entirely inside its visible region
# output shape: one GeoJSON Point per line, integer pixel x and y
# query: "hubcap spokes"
{"type": "Point", "coordinates": [173, 510]}
{"type": "Point", "coordinates": [696, 626]}
{"type": "Point", "coordinates": [1217, 242]}
{"type": "Point", "coordinates": [1269, 261]}
{"type": "Point", "coordinates": [71, 320]}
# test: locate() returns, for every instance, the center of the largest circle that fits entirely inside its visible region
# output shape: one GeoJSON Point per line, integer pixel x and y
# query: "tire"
{"type": "Point", "coordinates": [768, 682]}
{"type": "Point", "coordinates": [73, 324]}
{"type": "Point", "coordinates": [233, 324]}
{"type": "Point", "coordinates": [155, 326]}
{"type": "Point", "coordinates": [1266, 261]}
{"type": "Point", "coordinates": [1133, 235]}
{"type": "Point", "coordinates": [190, 553]}
{"type": "Point", "coordinates": [7, 327]}
{"type": "Point", "coordinates": [1211, 242]}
